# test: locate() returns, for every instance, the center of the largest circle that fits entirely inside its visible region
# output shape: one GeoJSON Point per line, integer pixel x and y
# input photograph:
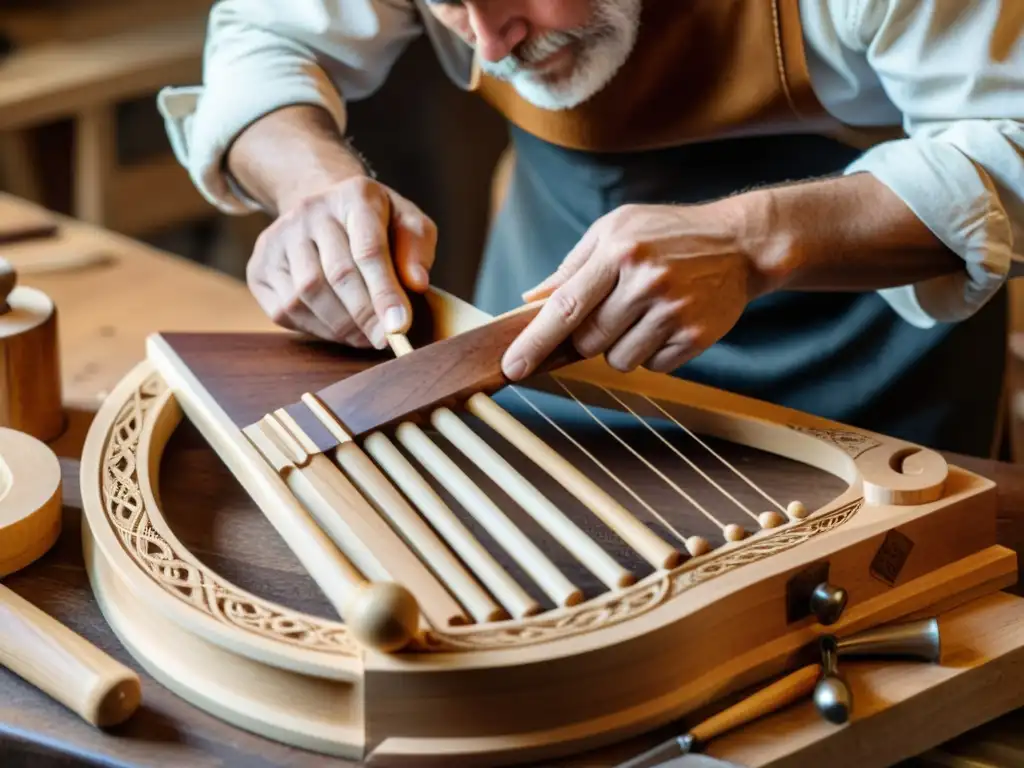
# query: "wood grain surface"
{"type": "Point", "coordinates": [37, 732]}
{"type": "Point", "coordinates": [250, 375]}
{"type": "Point", "coordinates": [112, 292]}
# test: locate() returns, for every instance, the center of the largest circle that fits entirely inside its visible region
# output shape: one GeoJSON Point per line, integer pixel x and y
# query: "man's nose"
{"type": "Point", "coordinates": [497, 29]}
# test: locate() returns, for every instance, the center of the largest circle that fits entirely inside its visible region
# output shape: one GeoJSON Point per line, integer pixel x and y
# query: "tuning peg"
{"type": "Point", "coordinates": [828, 602]}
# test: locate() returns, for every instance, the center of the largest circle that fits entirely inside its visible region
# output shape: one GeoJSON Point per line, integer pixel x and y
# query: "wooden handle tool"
{"type": "Point", "coordinates": [33, 645]}
{"type": "Point", "coordinates": [779, 694]}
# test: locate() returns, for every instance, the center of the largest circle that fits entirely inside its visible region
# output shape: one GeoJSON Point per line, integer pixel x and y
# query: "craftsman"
{"type": "Point", "coordinates": [812, 202]}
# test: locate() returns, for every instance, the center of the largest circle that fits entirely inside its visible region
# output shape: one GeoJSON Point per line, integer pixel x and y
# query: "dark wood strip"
{"type": "Point", "coordinates": [445, 373]}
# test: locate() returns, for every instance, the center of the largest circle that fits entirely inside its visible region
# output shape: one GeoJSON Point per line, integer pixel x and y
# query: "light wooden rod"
{"type": "Point", "coordinates": [417, 534]}
{"type": "Point", "coordinates": [637, 535]}
{"type": "Point", "coordinates": [390, 503]}
{"type": "Point", "coordinates": [359, 531]}
{"type": "Point", "coordinates": [381, 615]}
{"type": "Point", "coordinates": [527, 496]}
{"type": "Point", "coordinates": [478, 504]}
{"type": "Point", "coordinates": [408, 479]}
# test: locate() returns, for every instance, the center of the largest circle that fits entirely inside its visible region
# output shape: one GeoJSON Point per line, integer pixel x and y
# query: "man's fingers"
{"type": "Point", "coordinates": [371, 251]}
{"type": "Point", "coordinates": [346, 279]}
{"type": "Point", "coordinates": [642, 341]}
{"type": "Point", "coordinates": [683, 345]}
{"type": "Point", "coordinates": [311, 285]}
{"type": "Point", "coordinates": [275, 292]}
{"type": "Point", "coordinates": [558, 318]}
{"type": "Point", "coordinates": [671, 356]}
{"type": "Point", "coordinates": [414, 240]}
{"type": "Point", "coordinates": [570, 266]}
{"type": "Point", "coordinates": [611, 319]}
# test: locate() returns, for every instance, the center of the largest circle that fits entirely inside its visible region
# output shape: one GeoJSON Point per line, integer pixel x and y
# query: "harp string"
{"type": "Point", "coordinates": [665, 478]}
{"type": "Point", "coordinates": [710, 450]}
{"type": "Point", "coordinates": [732, 532]}
{"type": "Point", "coordinates": [601, 465]}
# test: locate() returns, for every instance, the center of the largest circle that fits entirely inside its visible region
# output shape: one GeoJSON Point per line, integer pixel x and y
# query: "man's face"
{"type": "Point", "coordinates": [556, 53]}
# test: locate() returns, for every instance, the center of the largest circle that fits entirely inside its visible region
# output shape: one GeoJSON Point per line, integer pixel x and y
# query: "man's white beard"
{"type": "Point", "coordinates": [604, 46]}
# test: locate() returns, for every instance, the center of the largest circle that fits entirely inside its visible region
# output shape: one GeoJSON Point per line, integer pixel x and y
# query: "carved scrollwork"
{"type": "Point", "coordinates": [193, 584]}
{"type": "Point", "coordinates": [852, 443]}
{"type": "Point", "coordinates": [615, 608]}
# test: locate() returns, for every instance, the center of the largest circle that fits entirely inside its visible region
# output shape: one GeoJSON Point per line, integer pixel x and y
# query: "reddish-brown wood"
{"type": "Point", "coordinates": [445, 373]}
{"type": "Point", "coordinates": [250, 375]}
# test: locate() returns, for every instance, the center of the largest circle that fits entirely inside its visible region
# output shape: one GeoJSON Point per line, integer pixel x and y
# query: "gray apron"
{"type": "Point", "coordinates": [843, 356]}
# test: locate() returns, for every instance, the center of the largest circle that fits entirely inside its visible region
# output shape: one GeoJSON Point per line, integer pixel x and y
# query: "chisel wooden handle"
{"type": "Point", "coordinates": [779, 694]}
{"type": "Point", "coordinates": [66, 666]}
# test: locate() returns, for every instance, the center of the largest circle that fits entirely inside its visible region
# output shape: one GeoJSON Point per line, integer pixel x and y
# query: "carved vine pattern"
{"type": "Point", "coordinates": [203, 590]}
{"type": "Point", "coordinates": [853, 443]}
{"type": "Point", "coordinates": [199, 587]}
{"type": "Point", "coordinates": [645, 596]}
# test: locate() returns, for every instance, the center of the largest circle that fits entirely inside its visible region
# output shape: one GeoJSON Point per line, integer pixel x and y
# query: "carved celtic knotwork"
{"type": "Point", "coordinates": [205, 591]}
{"type": "Point", "coordinates": [195, 585]}
{"type": "Point", "coordinates": [647, 595]}
{"type": "Point", "coordinates": [853, 443]}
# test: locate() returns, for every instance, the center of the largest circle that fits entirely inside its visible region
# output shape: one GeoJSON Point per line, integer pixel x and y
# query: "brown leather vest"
{"type": "Point", "coordinates": [701, 69]}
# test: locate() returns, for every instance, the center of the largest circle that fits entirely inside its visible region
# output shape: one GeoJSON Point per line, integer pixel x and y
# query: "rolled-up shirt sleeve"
{"type": "Point", "coordinates": [262, 55]}
{"type": "Point", "coordinates": [955, 71]}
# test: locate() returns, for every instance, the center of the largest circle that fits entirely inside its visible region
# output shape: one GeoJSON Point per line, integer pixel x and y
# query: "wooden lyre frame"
{"type": "Point", "coordinates": [456, 665]}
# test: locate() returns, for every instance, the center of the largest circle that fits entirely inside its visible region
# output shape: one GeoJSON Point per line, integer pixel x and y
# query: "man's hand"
{"type": "Point", "coordinates": [654, 286]}
{"type": "Point", "coordinates": [336, 264]}
{"type": "Point", "coordinates": [337, 260]}
{"type": "Point", "coordinates": [648, 285]}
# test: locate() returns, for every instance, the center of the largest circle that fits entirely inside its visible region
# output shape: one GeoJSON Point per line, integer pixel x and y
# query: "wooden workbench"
{"type": "Point", "coordinates": [111, 292]}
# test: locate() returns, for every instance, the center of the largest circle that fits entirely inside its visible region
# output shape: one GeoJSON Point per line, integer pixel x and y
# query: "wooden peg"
{"type": "Point", "coordinates": [30, 389]}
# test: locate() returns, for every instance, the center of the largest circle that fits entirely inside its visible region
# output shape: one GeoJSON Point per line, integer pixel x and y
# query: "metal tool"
{"type": "Point", "coordinates": [917, 640]}
{"type": "Point", "coordinates": [782, 692]}
{"type": "Point", "coordinates": [832, 695]}
{"type": "Point", "coordinates": [828, 602]}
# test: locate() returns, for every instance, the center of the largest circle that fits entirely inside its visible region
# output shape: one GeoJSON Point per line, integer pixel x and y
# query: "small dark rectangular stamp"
{"type": "Point", "coordinates": [891, 557]}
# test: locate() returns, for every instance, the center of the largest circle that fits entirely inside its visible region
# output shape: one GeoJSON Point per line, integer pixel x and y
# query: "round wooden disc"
{"type": "Point", "coordinates": [30, 499]}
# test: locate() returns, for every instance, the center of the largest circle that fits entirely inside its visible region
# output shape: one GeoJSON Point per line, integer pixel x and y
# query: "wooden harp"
{"type": "Point", "coordinates": [597, 556]}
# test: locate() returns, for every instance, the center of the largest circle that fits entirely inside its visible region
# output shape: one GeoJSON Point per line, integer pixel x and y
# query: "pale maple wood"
{"type": "Point", "coordinates": [586, 550]}
{"type": "Point", "coordinates": [655, 550]}
{"type": "Point", "coordinates": [33, 645]}
{"type": "Point", "coordinates": [435, 461]}
{"type": "Point", "coordinates": [571, 678]}
{"type": "Point", "coordinates": [505, 589]}
{"type": "Point", "coordinates": [422, 541]}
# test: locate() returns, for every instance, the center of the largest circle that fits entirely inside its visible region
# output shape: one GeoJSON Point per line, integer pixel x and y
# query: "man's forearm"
{"type": "Point", "coordinates": [845, 234]}
{"type": "Point", "coordinates": [289, 154]}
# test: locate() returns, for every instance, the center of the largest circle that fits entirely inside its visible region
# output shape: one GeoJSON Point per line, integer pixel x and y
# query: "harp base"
{"type": "Point", "coordinates": [899, 707]}
{"type": "Point", "coordinates": [304, 681]}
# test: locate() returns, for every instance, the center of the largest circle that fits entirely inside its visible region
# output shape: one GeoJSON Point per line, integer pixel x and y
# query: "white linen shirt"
{"type": "Point", "coordinates": [951, 72]}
